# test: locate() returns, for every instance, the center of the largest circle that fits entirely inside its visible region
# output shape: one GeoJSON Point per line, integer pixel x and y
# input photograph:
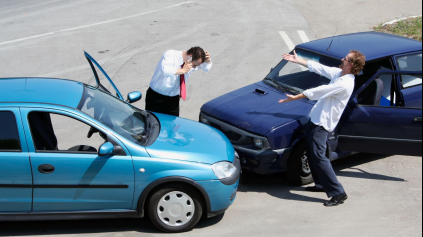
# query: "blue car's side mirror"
{"type": "Point", "coordinates": [134, 96]}
{"type": "Point", "coordinates": [106, 149]}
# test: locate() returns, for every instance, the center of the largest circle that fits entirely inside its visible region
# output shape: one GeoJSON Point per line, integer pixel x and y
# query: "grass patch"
{"type": "Point", "coordinates": [411, 28]}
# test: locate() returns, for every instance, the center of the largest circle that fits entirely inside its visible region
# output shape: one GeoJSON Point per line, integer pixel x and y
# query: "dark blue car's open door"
{"type": "Point", "coordinates": [99, 85]}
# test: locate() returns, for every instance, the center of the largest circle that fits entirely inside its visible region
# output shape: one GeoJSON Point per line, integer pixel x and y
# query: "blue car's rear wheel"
{"type": "Point", "coordinates": [299, 172]}
{"type": "Point", "coordinates": [175, 208]}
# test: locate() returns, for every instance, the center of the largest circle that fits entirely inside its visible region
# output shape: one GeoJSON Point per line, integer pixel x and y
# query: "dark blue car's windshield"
{"type": "Point", "coordinates": [295, 78]}
{"type": "Point", "coordinates": [119, 116]}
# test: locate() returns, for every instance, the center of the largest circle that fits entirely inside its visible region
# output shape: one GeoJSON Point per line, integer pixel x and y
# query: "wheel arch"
{"type": "Point", "coordinates": [149, 190]}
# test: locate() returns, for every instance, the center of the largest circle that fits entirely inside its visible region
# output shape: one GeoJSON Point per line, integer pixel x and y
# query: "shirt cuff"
{"type": "Point", "coordinates": [207, 66]}
{"type": "Point", "coordinates": [308, 94]}
{"type": "Point", "coordinates": [310, 65]}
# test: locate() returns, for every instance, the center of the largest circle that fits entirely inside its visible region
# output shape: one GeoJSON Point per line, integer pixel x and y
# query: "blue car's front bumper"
{"type": "Point", "coordinates": [221, 196]}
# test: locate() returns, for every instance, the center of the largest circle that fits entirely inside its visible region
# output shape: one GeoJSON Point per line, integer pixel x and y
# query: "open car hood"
{"type": "Point", "coordinates": [101, 86]}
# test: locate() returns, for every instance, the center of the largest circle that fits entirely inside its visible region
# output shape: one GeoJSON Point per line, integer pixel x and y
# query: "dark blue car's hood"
{"type": "Point", "coordinates": [254, 112]}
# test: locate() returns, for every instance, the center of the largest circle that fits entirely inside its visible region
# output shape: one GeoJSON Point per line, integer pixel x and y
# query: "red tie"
{"type": "Point", "coordinates": [183, 93]}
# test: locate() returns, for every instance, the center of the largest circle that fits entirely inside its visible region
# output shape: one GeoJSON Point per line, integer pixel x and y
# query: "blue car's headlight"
{"type": "Point", "coordinates": [224, 170]}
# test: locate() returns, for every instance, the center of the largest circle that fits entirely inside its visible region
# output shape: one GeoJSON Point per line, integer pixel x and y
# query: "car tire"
{"type": "Point", "coordinates": [175, 209]}
{"type": "Point", "coordinates": [299, 172]}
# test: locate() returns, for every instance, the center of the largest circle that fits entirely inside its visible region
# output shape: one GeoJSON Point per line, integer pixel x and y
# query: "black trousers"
{"type": "Point", "coordinates": [323, 174]}
{"type": "Point", "coordinates": [159, 103]}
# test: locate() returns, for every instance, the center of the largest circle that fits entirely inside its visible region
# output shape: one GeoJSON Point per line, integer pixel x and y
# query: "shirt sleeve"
{"type": "Point", "coordinates": [206, 66]}
{"type": "Point", "coordinates": [325, 91]}
{"type": "Point", "coordinates": [168, 64]}
{"type": "Point", "coordinates": [328, 72]}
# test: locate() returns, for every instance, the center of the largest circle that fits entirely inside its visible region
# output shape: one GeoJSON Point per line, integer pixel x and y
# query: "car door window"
{"type": "Point", "coordinates": [381, 91]}
{"type": "Point", "coordinates": [59, 133]}
{"type": "Point", "coordinates": [9, 137]}
{"type": "Point", "coordinates": [410, 63]}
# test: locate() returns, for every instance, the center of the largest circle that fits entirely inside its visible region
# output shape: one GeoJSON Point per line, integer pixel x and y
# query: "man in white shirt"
{"type": "Point", "coordinates": [168, 84]}
{"type": "Point", "coordinates": [325, 116]}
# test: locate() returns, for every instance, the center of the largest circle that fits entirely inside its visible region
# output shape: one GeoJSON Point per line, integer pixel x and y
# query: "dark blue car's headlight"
{"type": "Point", "coordinates": [204, 120]}
{"type": "Point", "coordinates": [259, 143]}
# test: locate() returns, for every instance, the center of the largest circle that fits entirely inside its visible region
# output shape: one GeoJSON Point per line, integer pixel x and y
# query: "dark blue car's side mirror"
{"type": "Point", "coordinates": [106, 149]}
{"type": "Point", "coordinates": [134, 96]}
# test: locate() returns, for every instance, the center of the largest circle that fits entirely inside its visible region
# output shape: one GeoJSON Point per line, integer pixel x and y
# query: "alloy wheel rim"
{"type": "Point", "coordinates": [176, 209]}
{"type": "Point", "coordinates": [305, 166]}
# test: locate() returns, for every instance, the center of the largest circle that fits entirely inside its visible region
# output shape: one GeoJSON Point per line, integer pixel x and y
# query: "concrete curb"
{"type": "Point", "coordinates": [395, 21]}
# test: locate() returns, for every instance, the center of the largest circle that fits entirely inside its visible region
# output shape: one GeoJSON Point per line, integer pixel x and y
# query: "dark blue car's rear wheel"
{"type": "Point", "coordinates": [299, 172]}
{"type": "Point", "coordinates": [175, 208]}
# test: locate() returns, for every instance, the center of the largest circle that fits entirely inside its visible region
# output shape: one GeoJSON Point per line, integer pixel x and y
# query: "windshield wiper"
{"type": "Point", "coordinates": [290, 89]}
{"type": "Point", "coordinates": [276, 84]}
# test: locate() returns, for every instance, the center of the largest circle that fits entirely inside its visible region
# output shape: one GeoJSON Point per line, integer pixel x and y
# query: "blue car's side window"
{"type": "Point", "coordinates": [59, 133]}
{"type": "Point", "coordinates": [9, 137]}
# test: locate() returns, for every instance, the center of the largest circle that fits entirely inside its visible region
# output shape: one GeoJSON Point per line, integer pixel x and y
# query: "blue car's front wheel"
{"type": "Point", "coordinates": [175, 208]}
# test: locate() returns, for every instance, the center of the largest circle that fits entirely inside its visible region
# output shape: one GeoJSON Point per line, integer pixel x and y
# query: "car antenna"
{"type": "Point", "coordinates": [332, 39]}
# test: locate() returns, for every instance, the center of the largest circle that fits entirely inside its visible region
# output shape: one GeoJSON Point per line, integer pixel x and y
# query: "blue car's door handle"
{"type": "Point", "coordinates": [418, 119]}
{"type": "Point", "coordinates": [46, 169]}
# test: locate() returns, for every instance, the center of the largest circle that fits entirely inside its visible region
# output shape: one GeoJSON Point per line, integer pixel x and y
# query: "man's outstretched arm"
{"type": "Point", "coordinates": [292, 97]}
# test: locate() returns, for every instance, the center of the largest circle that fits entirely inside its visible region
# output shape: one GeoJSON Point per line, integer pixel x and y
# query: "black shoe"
{"type": "Point", "coordinates": [314, 189]}
{"type": "Point", "coordinates": [337, 200]}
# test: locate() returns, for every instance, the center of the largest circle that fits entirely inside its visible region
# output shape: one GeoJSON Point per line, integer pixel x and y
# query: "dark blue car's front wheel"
{"type": "Point", "coordinates": [299, 172]}
{"type": "Point", "coordinates": [175, 208]}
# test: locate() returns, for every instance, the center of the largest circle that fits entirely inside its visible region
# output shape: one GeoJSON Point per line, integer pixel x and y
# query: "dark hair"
{"type": "Point", "coordinates": [197, 53]}
{"type": "Point", "coordinates": [358, 61]}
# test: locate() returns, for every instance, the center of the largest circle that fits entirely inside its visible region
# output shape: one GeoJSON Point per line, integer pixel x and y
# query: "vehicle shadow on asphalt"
{"type": "Point", "coordinates": [85, 227]}
{"type": "Point", "coordinates": [275, 185]}
{"type": "Point", "coordinates": [278, 186]}
{"type": "Point", "coordinates": [360, 159]}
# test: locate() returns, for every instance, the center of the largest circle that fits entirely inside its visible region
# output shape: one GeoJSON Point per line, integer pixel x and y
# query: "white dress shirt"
{"type": "Point", "coordinates": [164, 80]}
{"type": "Point", "coordinates": [332, 98]}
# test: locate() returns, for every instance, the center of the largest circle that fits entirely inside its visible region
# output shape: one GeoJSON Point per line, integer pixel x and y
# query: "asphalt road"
{"type": "Point", "coordinates": [127, 37]}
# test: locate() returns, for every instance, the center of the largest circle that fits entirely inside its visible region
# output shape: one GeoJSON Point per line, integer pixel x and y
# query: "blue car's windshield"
{"type": "Point", "coordinates": [119, 116]}
{"type": "Point", "coordinates": [294, 78]}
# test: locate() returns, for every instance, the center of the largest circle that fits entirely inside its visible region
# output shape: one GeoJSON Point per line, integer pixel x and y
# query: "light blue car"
{"type": "Point", "coordinates": [174, 169]}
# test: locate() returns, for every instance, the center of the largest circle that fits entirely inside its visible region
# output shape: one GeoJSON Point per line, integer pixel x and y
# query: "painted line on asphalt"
{"type": "Point", "coordinates": [395, 21]}
{"type": "Point", "coordinates": [303, 36]}
{"type": "Point", "coordinates": [287, 40]}
{"type": "Point", "coordinates": [95, 24]}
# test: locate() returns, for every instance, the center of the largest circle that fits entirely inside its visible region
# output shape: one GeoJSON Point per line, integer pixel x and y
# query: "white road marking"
{"type": "Point", "coordinates": [287, 40]}
{"type": "Point", "coordinates": [95, 24]}
{"type": "Point", "coordinates": [303, 36]}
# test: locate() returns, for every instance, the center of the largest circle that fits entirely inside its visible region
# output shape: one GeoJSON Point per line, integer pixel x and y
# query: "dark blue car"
{"type": "Point", "coordinates": [384, 114]}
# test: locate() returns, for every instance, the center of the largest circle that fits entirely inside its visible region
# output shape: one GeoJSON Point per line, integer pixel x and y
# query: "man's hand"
{"type": "Point", "coordinates": [208, 60]}
{"type": "Point", "coordinates": [291, 58]}
{"type": "Point", "coordinates": [295, 59]}
{"type": "Point", "coordinates": [187, 67]}
{"type": "Point", "coordinates": [292, 97]}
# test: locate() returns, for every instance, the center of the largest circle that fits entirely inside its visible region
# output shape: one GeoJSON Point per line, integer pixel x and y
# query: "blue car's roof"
{"type": "Point", "coordinates": [373, 45]}
{"type": "Point", "coordinates": [41, 90]}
